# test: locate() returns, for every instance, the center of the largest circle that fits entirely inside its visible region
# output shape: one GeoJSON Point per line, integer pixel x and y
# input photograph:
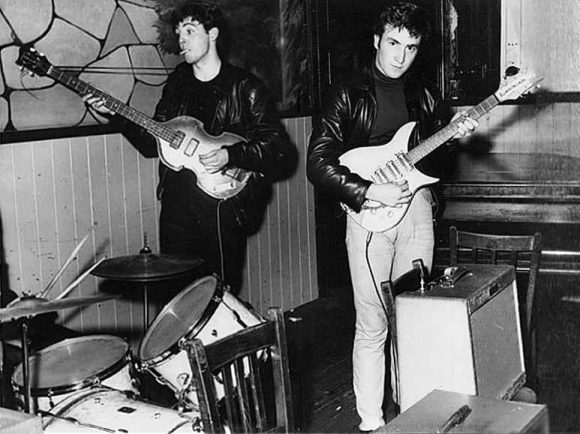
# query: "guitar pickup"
{"type": "Point", "coordinates": [191, 147]}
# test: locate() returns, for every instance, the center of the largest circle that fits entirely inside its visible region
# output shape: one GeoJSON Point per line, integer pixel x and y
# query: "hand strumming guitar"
{"type": "Point", "coordinates": [390, 193]}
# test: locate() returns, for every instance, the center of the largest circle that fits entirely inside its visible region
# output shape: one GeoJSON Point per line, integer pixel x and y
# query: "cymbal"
{"type": "Point", "coordinates": [145, 267]}
{"type": "Point", "coordinates": [32, 306]}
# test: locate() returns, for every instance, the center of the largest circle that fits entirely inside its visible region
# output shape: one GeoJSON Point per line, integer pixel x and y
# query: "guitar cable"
{"type": "Point", "coordinates": [220, 241]}
{"type": "Point", "coordinates": [395, 352]}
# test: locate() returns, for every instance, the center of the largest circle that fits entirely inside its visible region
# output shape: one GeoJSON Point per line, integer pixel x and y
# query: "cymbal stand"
{"type": "Point", "coordinates": [25, 364]}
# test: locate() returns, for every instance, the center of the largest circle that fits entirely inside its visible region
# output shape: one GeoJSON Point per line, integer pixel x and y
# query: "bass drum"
{"type": "Point", "coordinates": [107, 410]}
{"type": "Point", "coordinates": [203, 310]}
{"type": "Point", "coordinates": [74, 364]}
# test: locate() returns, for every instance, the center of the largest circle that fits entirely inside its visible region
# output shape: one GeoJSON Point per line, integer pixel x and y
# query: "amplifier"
{"type": "Point", "coordinates": [464, 338]}
{"type": "Point", "coordinates": [484, 415]}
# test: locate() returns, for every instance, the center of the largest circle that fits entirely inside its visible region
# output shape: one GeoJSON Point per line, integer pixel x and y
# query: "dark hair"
{"type": "Point", "coordinates": [172, 12]}
{"type": "Point", "coordinates": [405, 15]}
{"type": "Point", "coordinates": [207, 14]}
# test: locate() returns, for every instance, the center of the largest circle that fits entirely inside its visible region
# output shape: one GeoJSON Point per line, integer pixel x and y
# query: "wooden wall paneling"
{"type": "Point", "coordinates": [27, 218]}
{"type": "Point", "coordinates": [309, 255]}
{"type": "Point", "coordinates": [81, 202]}
{"type": "Point", "coordinates": [302, 221]}
{"type": "Point", "coordinates": [291, 283]}
{"type": "Point", "coordinates": [148, 208]}
{"type": "Point", "coordinates": [133, 226]}
{"type": "Point", "coordinates": [64, 215]}
{"type": "Point", "coordinates": [101, 228]}
{"type": "Point", "coordinates": [44, 196]}
{"type": "Point", "coordinates": [276, 246]}
{"type": "Point", "coordinates": [117, 238]}
{"type": "Point", "coordinates": [283, 286]}
{"type": "Point", "coordinates": [10, 233]}
{"type": "Point", "coordinates": [266, 245]}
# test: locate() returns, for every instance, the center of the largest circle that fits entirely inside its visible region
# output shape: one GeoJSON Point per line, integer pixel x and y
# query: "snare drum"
{"type": "Point", "coordinates": [74, 364]}
{"type": "Point", "coordinates": [202, 310]}
{"type": "Point", "coordinates": [106, 410]}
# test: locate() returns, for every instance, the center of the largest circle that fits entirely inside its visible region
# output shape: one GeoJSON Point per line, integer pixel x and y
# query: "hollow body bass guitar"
{"type": "Point", "coordinates": [180, 141]}
{"type": "Point", "coordinates": [393, 162]}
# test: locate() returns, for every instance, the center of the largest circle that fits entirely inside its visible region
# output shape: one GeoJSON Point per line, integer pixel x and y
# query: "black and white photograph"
{"type": "Point", "coordinates": [299, 216]}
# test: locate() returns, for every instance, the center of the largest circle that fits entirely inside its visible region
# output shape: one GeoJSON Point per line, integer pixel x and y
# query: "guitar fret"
{"type": "Point", "coordinates": [114, 104]}
{"type": "Point", "coordinates": [443, 135]}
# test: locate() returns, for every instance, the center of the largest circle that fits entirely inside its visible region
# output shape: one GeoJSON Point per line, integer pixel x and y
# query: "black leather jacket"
{"type": "Point", "coordinates": [243, 107]}
{"type": "Point", "coordinates": [345, 122]}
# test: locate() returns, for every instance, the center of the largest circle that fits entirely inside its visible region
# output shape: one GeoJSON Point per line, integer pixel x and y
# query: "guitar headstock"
{"type": "Point", "coordinates": [34, 61]}
{"type": "Point", "coordinates": [514, 86]}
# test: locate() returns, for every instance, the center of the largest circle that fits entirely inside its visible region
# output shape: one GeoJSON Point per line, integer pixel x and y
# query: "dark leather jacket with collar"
{"type": "Point", "coordinates": [345, 122]}
{"type": "Point", "coordinates": [243, 106]}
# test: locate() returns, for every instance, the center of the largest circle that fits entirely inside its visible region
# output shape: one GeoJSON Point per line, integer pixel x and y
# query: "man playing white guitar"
{"type": "Point", "coordinates": [209, 210]}
{"type": "Point", "coordinates": [367, 111]}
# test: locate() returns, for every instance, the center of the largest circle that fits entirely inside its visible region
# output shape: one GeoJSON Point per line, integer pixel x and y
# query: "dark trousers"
{"type": "Point", "coordinates": [205, 228]}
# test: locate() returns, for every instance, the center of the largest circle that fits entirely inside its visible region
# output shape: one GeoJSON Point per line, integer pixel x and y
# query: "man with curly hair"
{"type": "Point", "coordinates": [223, 98]}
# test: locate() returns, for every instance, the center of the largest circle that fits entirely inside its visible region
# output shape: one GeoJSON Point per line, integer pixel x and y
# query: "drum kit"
{"type": "Point", "coordinates": [91, 383]}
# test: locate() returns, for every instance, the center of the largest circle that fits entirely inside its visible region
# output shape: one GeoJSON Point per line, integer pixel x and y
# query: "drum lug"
{"type": "Point", "coordinates": [197, 425]}
{"type": "Point", "coordinates": [50, 401]}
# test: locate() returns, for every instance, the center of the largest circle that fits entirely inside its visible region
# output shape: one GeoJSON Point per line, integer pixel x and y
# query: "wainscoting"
{"type": "Point", "coordinates": [54, 192]}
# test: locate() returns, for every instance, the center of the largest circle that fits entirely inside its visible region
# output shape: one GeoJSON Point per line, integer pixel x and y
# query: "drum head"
{"type": "Point", "coordinates": [72, 361]}
{"type": "Point", "coordinates": [182, 316]}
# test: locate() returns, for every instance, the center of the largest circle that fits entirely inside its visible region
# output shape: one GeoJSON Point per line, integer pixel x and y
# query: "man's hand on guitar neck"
{"type": "Point", "coordinates": [97, 104]}
{"type": "Point", "coordinates": [390, 194]}
{"type": "Point", "coordinates": [465, 126]}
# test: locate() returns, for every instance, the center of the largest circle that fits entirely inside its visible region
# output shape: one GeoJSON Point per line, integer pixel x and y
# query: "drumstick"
{"type": "Point", "coordinates": [61, 270]}
{"type": "Point", "coordinates": [79, 279]}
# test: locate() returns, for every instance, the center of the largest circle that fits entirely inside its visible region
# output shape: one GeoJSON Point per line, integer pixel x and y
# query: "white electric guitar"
{"type": "Point", "coordinates": [392, 163]}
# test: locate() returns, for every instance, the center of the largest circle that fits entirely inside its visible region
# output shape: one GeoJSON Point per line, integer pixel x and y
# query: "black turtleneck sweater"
{"type": "Point", "coordinates": [391, 108]}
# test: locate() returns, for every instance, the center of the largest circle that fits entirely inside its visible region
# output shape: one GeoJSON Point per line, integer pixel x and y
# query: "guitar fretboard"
{"type": "Point", "coordinates": [82, 88]}
{"type": "Point", "coordinates": [444, 134]}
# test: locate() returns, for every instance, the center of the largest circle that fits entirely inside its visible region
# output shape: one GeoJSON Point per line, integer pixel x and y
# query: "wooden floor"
{"type": "Point", "coordinates": [320, 343]}
{"type": "Point", "coordinates": [320, 338]}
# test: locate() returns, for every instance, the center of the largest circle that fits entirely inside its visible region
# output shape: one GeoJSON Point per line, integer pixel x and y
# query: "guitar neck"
{"type": "Point", "coordinates": [81, 87]}
{"type": "Point", "coordinates": [443, 135]}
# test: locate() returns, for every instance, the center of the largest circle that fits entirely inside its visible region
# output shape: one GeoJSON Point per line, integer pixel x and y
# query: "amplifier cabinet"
{"type": "Point", "coordinates": [465, 338]}
{"type": "Point", "coordinates": [490, 416]}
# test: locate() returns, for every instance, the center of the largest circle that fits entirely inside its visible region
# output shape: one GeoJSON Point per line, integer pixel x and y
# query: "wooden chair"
{"type": "Point", "coordinates": [521, 251]}
{"type": "Point", "coordinates": [243, 361]}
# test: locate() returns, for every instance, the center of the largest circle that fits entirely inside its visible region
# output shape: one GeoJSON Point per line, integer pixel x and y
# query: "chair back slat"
{"type": "Point", "coordinates": [239, 361]}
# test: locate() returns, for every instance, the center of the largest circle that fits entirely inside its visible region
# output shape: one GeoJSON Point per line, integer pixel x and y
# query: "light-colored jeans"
{"type": "Point", "coordinates": [390, 254]}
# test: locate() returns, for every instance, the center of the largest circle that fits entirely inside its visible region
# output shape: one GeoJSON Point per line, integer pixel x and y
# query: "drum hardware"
{"type": "Point", "coordinates": [75, 421]}
{"type": "Point", "coordinates": [146, 267]}
{"type": "Point", "coordinates": [27, 306]}
{"type": "Point", "coordinates": [64, 368]}
{"type": "Point", "coordinates": [110, 410]}
{"type": "Point", "coordinates": [204, 310]}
